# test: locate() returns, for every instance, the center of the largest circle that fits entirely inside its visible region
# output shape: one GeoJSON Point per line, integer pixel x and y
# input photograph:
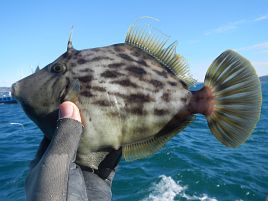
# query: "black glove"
{"type": "Point", "coordinates": [54, 175]}
{"type": "Point", "coordinates": [48, 178]}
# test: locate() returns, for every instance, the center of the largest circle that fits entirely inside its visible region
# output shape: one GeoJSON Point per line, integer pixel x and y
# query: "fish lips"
{"type": "Point", "coordinates": [15, 91]}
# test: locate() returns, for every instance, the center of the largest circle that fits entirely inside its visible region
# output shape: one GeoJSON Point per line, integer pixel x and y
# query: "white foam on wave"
{"type": "Point", "coordinates": [17, 124]}
{"type": "Point", "coordinates": [169, 190]}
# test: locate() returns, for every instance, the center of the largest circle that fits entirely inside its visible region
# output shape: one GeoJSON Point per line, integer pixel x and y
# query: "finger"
{"type": "Point", "coordinates": [69, 110]}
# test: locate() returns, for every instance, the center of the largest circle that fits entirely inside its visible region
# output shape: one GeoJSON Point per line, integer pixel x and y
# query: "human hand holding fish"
{"type": "Point", "coordinates": [56, 176]}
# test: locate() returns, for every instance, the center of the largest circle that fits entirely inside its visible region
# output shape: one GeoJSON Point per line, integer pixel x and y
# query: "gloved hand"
{"type": "Point", "coordinates": [54, 175]}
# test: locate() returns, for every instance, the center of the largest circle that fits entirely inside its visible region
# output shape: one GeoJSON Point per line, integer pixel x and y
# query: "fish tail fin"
{"type": "Point", "coordinates": [233, 96]}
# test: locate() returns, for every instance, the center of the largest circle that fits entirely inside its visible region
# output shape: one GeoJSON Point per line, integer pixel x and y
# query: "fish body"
{"type": "Point", "coordinates": [131, 95]}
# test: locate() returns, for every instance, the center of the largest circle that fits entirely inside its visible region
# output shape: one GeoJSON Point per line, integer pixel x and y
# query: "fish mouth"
{"type": "Point", "coordinates": [14, 90]}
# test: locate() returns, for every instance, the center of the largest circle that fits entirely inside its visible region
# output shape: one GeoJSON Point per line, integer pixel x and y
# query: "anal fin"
{"type": "Point", "coordinates": [150, 145]}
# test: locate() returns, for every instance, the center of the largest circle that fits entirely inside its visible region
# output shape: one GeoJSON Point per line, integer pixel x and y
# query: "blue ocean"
{"type": "Point", "coordinates": [192, 166]}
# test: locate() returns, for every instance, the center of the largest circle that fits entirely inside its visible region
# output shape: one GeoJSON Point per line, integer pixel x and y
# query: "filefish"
{"type": "Point", "coordinates": [136, 95]}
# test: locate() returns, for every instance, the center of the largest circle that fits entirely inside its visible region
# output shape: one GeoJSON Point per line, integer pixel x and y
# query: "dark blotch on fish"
{"type": "Point", "coordinates": [86, 93]}
{"type": "Point", "coordinates": [172, 83]}
{"type": "Point", "coordinates": [136, 111]}
{"type": "Point", "coordinates": [73, 64]}
{"type": "Point", "coordinates": [139, 98]}
{"type": "Point", "coordinates": [184, 100]}
{"type": "Point", "coordinates": [136, 70]}
{"type": "Point", "coordinates": [136, 53]}
{"type": "Point", "coordinates": [126, 57]}
{"type": "Point", "coordinates": [166, 97]}
{"type": "Point", "coordinates": [116, 65]}
{"type": "Point", "coordinates": [140, 130]}
{"type": "Point", "coordinates": [110, 74]}
{"type": "Point", "coordinates": [119, 48]}
{"type": "Point", "coordinates": [100, 58]}
{"type": "Point", "coordinates": [156, 83]}
{"type": "Point", "coordinates": [160, 112]}
{"type": "Point", "coordinates": [81, 61]}
{"type": "Point", "coordinates": [125, 83]}
{"type": "Point", "coordinates": [104, 103]}
{"type": "Point", "coordinates": [142, 63]}
{"type": "Point", "coordinates": [87, 78]}
{"type": "Point", "coordinates": [161, 73]}
{"type": "Point", "coordinates": [97, 88]}
{"type": "Point", "coordinates": [86, 70]}
{"type": "Point", "coordinates": [135, 98]}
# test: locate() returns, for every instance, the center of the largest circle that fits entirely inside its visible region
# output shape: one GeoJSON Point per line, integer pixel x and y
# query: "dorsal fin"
{"type": "Point", "coordinates": [154, 43]}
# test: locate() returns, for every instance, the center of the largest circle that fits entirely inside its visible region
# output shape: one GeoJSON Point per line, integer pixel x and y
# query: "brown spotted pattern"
{"type": "Point", "coordinates": [125, 93]}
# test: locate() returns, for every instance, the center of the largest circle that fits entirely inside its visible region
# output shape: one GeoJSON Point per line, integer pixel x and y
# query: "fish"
{"type": "Point", "coordinates": [136, 95]}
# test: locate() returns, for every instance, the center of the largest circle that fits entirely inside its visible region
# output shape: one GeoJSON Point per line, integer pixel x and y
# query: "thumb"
{"type": "Point", "coordinates": [69, 110]}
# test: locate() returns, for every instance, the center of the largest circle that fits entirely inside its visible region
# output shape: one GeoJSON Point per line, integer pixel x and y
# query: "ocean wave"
{"type": "Point", "coordinates": [17, 124]}
{"type": "Point", "coordinates": [168, 189]}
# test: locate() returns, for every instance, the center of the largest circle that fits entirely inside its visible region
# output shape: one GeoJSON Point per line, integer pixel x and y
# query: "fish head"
{"type": "Point", "coordinates": [41, 93]}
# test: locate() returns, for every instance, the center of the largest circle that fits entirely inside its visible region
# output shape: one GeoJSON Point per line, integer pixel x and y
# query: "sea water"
{"type": "Point", "coordinates": [191, 166]}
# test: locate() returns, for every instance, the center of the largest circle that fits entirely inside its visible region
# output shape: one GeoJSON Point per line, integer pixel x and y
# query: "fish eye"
{"type": "Point", "coordinates": [58, 68]}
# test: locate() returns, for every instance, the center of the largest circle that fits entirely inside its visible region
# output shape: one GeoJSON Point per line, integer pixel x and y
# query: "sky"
{"type": "Point", "coordinates": [36, 32]}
